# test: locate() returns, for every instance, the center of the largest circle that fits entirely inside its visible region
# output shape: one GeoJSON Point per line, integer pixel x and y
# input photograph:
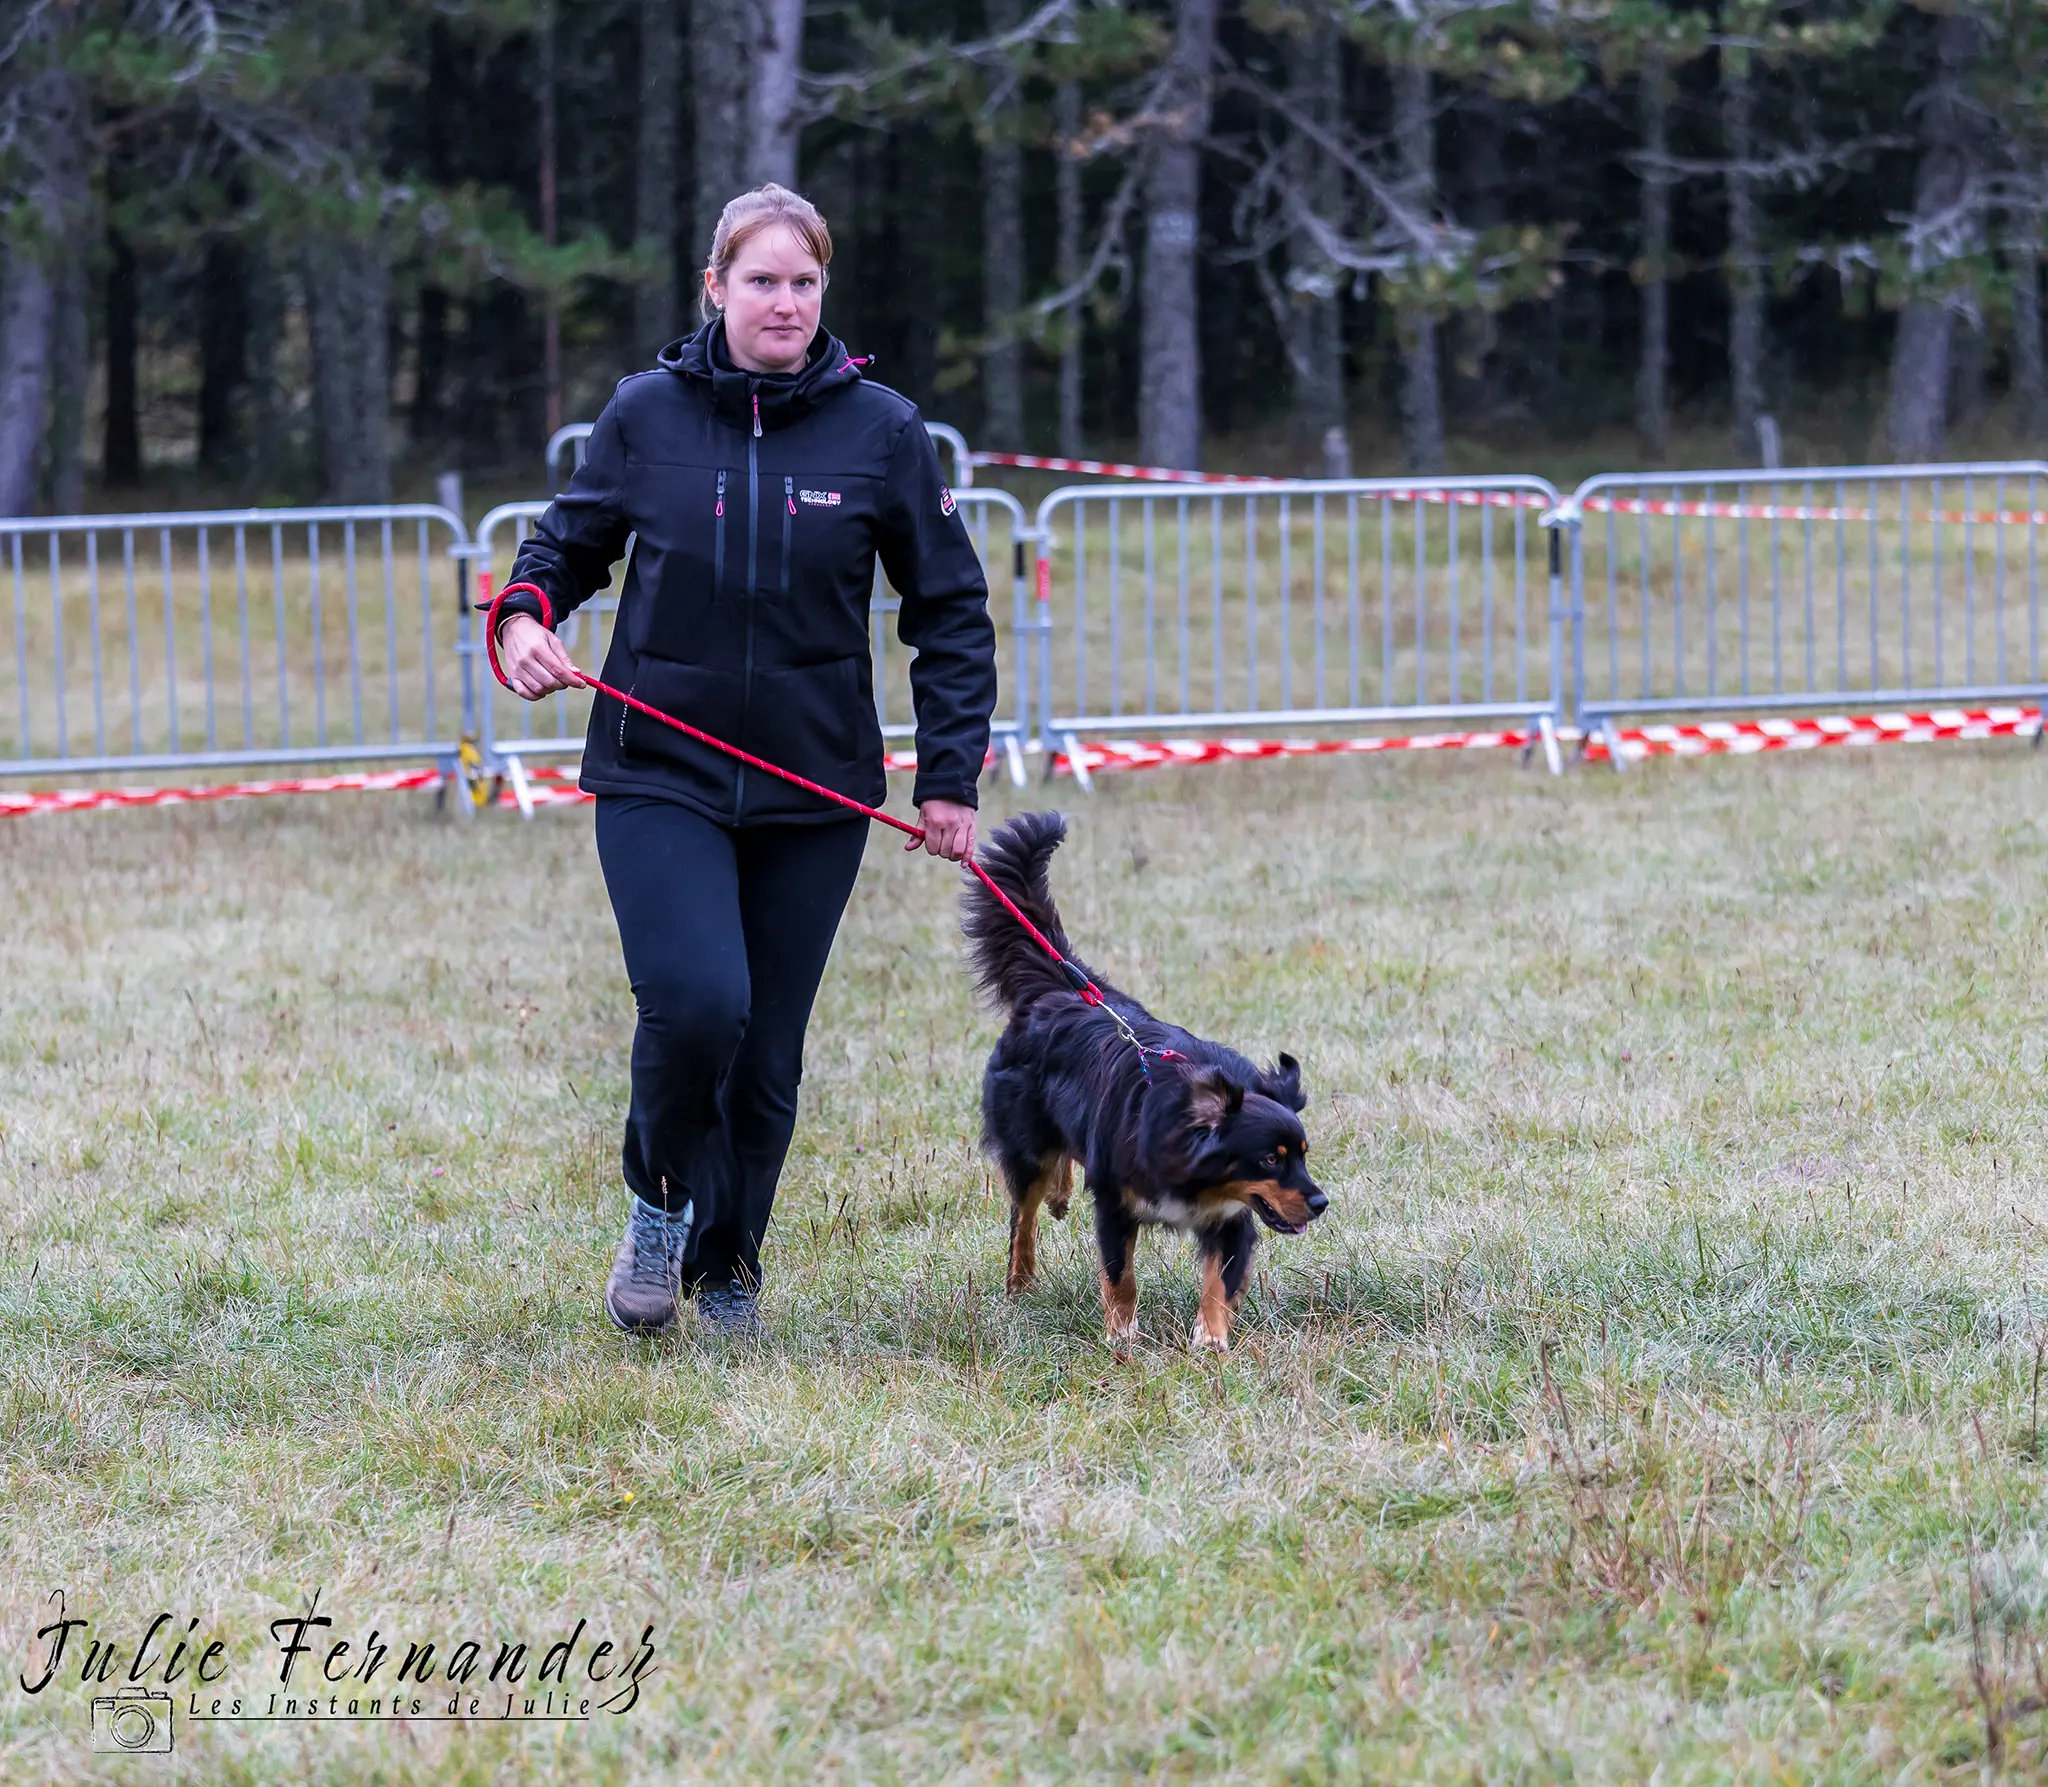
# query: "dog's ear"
{"type": "Point", "coordinates": [1282, 1084]}
{"type": "Point", "coordinates": [1212, 1096]}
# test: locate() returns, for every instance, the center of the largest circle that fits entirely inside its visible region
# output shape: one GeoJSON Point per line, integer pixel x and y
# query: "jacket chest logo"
{"type": "Point", "coordinates": [819, 499]}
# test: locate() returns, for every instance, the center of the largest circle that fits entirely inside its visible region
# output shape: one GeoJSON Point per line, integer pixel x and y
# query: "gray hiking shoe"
{"type": "Point", "coordinates": [731, 1309]}
{"type": "Point", "coordinates": [647, 1271]}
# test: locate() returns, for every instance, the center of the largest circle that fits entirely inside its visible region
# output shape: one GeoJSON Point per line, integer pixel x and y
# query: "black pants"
{"type": "Point", "coordinates": [726, 935]}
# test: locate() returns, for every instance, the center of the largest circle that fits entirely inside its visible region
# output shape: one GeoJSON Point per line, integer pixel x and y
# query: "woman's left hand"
{"type": "Point", "coordinates": [948, 830]}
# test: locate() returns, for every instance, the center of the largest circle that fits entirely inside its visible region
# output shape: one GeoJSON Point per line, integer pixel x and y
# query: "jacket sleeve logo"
{"type": "Point", "coordinates": [945, 500]}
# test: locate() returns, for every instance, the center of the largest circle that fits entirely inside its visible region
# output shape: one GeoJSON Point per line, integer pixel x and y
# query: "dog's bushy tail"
{"type": "Point", "coordinates": [1010, 968]}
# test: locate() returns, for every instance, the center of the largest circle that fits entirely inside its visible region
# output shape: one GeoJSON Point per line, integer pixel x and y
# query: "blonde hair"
{"type": "Point", "coordinates": [752, 212]}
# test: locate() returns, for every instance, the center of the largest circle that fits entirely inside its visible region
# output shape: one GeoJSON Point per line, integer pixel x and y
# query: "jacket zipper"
{"type": "Point", "coordinates": [739, 786]}
{"type": "Point", "coordinates": [788, 523]}
{"type": "Point", "coordinates": [718, 541]}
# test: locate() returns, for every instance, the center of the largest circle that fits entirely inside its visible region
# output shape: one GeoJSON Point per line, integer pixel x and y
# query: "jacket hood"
{"type": "Point", "coordinates": [782, 396]}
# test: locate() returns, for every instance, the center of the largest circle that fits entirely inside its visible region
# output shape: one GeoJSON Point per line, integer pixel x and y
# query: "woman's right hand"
{"type": "Point", "coordinates": [533, 659]}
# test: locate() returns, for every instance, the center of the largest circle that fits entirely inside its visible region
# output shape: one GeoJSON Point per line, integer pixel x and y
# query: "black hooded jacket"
{"type": "Point", "coordinates": [757, 506]}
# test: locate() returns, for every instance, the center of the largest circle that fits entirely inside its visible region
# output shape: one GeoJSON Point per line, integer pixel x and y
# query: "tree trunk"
{"type": "Point", "coordinates": [28, 309]}
{"type": "Point", "coordinates": [1653, 368]}
{"type": "Point", "coordinates": [70, 376]}
{"type": "Point", "coordinates": [1067, 197]}
{"type": "Point", "coordinates": [347, 302]}
{"type": "Point", "coordinates": [1745, 271]}
{"type": "Point", "coordinates": [775, 53]}
{"type": "Point", "coordinates": [121, 442]}
{"type": "Point", "coordinates": [654, 186]}
{"type": "Point", "coordinates": [1916, 418]}
{"type": "Point", "coordinates": [430, 365]}
{"type": "Point", "coordinates": [718, 68]}
{"type": "Point", "coordinates": [1917, 411]}
{"type": "Point", "coordinates": [550, 157]}
{"type": "Point", "coordinates": [1170, 373]}
{"type": "Point", "coordinates": [52, 134]}
{"type": "Point", "coordinates": [1472, 348]}
{"type": "Point", "coordinates": [1002, 262]}
{"type": "Point", "coordinates": [1969, 366]}
{"type": "Point", "coordinates": [2029, 377]}
{"type": "Point", "coordinates": [1314, 321]}
{"type": "Point", "coordinates": [1422, 403]}
{"type": "Point", "coordinates": [223, 356]}
{"type": "Point", "coordinates": [273, 452]}
{"type": "Point", "coordinates": [443, 110]}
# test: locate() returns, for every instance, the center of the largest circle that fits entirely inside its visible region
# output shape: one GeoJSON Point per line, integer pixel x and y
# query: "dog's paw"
{"type": "Point", "coordinates": [1121, 1336]}
{"type": "Point", "coordinates": [1057, 1207]}
{"type": "Point", "coordinates": [1019, 1282]}
{"type": "Point", "coordinates": [1202, 1341]}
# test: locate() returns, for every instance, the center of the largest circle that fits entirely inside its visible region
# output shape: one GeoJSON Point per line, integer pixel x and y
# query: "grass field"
{"type": "Point", "coordinates": [1660, 1397]}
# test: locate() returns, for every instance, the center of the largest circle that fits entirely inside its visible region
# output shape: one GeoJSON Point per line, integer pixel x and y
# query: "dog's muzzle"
{"type": "Point", "coordinates": [1287, 1211]}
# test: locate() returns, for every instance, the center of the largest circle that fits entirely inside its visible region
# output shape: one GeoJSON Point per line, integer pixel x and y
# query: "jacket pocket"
{"type": "Point", "coordinates": [788, 527]}
{"type": "Point", "coordinates": [818, 720]}
{"type": "Point", "coordinates": [718, 540]}
{"type": "Point", "coordinates": [705, 697]}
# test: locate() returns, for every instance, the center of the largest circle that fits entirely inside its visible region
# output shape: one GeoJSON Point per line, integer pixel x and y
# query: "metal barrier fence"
{"type": "Point", "coordinates": [512, 731]}
{"type": "Point", "coordinates": [236, 637]}
{"type": "Point", "coordinates": [1755, 592]}
{"type": "Point", "coordinates": [568, 445]}
{"type": "Point", "coordinates": [1299, 603]}
{"type": "Point", "coordinates": [243, 637]}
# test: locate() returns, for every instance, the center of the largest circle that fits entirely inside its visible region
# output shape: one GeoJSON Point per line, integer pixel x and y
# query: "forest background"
{"type": "Point", "coordinates": [254, 250]}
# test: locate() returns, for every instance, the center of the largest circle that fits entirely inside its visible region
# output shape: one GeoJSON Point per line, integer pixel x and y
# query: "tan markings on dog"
{"type": "Point", "coordinates": [1054, 1171]}
{"type": "Point", "coordinates": [1212, 1321]}
{"type": "Point", "coordinates": [1059, 1187]}
{"type": "Point", "coordinates": [1289, 1206]}
{"type": "Point", "coordinates": [1220, 1200]}
{"type": "Point", "coordinates": [1120, 1301]}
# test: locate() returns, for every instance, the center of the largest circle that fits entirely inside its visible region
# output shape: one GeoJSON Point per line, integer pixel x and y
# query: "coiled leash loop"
{"type": "Point", "coordinates": [1086, 988]}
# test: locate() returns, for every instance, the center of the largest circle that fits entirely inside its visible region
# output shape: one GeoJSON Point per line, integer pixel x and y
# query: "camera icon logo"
{"type": "Point", "coordinates": [132, 1720]}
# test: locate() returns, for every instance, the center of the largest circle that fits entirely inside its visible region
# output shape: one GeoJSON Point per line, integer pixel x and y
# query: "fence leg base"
{"type": "Point", "coordinates": [1013, 757]}
{"type": "Point", "coordinates": [2040, 716]}
{"type": "Point", "coordinates": [1077, 761]}
{"type": "Point", "coordinates": [1610, 736]}
{"type": "Point", "coordinates": [522, 790]}
{"type": "Point", "coordinates": [1546, 730]}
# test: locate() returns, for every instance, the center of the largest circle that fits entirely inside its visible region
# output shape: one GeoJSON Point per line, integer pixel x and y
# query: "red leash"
{"type": "Point", "coordinates": [1087, 989]}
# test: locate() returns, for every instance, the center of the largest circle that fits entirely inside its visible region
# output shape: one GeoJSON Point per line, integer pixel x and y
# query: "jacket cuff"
{"type": "Point", "coordinates": [941, 788]}
{"type": "Point", "coordinates": [522, 598]}
{"type": "Point", "coordinates": [514, 598]}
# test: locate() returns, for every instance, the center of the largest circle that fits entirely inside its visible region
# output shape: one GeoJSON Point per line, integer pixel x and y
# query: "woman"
{"type": "Point", "coordinates": [759, 476]}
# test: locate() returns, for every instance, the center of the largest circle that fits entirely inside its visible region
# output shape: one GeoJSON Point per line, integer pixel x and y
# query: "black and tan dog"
{"type": "Point", "coordinates": [1187, 1134]}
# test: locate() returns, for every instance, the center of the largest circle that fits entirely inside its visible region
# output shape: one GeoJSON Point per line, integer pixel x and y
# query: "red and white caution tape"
{"type": "Point", "coordinates": [1160, 474]}
{"type": "Point", "coordinates": [1739, 738]}
{"type": "Point", "coordinates": [1104, 468]}
{"type": "Point", "coordinates": [1518, 499]}
{"type": "Point", "coordinates": [1155, 753]}
{"type": "Point", "coordinates": [1743, 738]}
{"type": "Point", "coordinates": [550, 785]}
{"type": "Point", "coordinates": [73, 800]}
